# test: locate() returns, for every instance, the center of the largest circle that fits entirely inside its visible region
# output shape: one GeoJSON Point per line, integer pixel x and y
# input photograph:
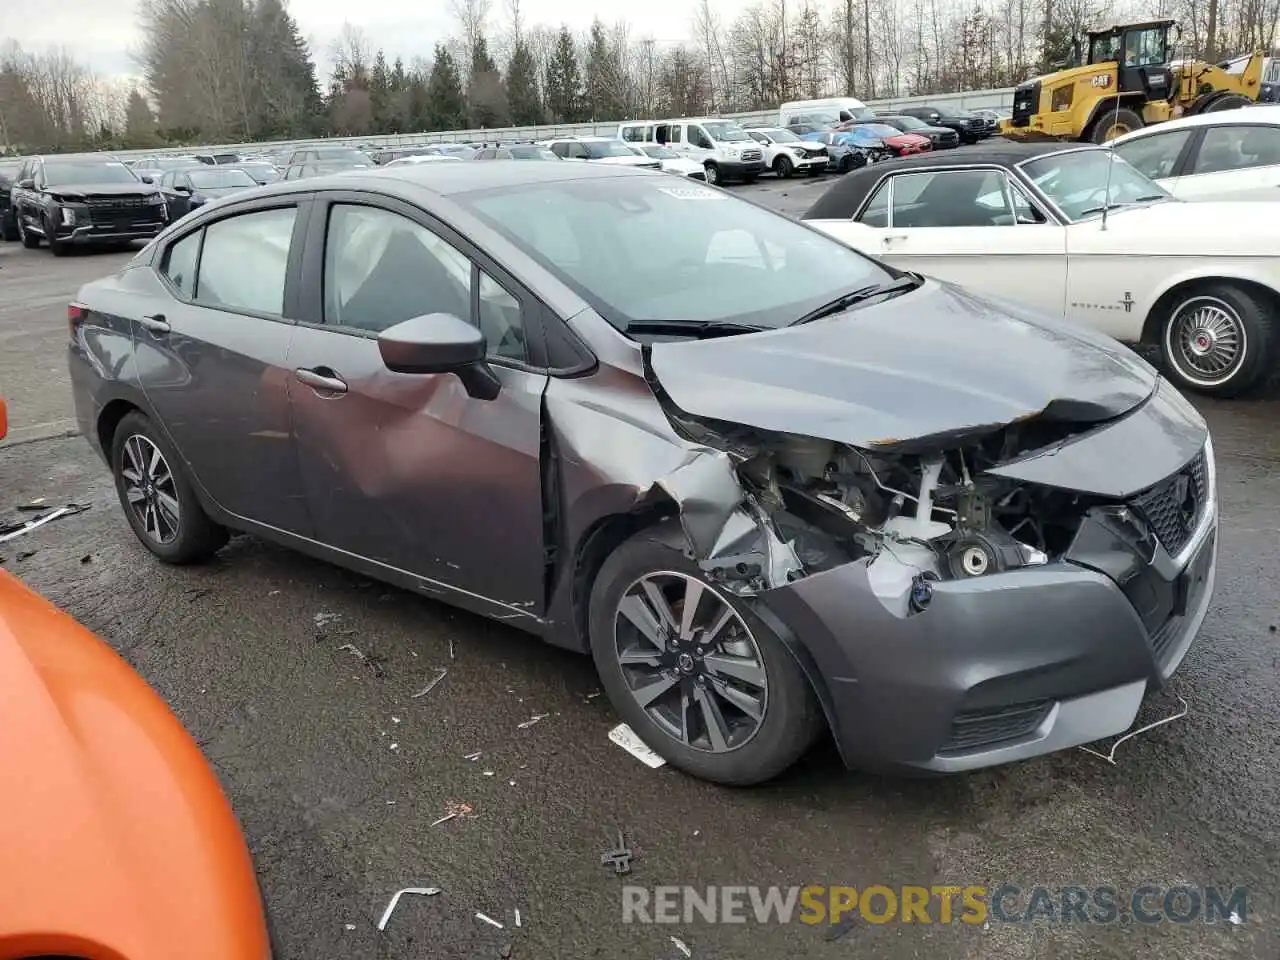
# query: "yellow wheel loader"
{"type": "Point", "coordinates": [1127, 81]}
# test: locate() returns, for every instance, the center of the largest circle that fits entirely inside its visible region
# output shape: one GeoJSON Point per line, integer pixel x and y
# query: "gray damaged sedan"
{"type": "Point", "coordinates": [773, 486]}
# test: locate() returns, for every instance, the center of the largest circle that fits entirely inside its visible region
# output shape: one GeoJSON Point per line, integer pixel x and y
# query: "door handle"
{"type": "Point", "coordinates": [894, 238]}
{"type": "Point", "coordinates": [321, 380]}
{"type": "Point", "coordinates": [156, 323]}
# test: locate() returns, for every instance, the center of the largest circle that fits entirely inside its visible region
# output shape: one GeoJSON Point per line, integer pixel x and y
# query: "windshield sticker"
{"type": "Point", "coordinates": [693, 193]}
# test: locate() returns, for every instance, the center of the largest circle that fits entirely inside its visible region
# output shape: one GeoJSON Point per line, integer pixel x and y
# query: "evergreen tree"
{"type": "Point", "coordinates": [522, 86]}
{"type": "Point", "coordinates": [446, 105]}
{"type": "Point", "coordinates": [486, 97]}
{"type": "Point", "coordinates": [603, 92]}
{"type": "Point", "coordinates": [139, 121]}
{"type": "Point", "coordinates": [563, 83]}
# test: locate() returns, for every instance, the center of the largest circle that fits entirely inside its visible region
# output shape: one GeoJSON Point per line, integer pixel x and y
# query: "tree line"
{"type": "Point", "coordinates": [225, 71]}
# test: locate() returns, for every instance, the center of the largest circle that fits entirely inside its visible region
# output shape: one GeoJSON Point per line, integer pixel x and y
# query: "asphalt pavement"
{"type": "Point", "coordinates": [298, 678]}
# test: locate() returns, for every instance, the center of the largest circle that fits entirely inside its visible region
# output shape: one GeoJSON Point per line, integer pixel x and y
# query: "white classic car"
{"type": "Point", "coordinates": [1230, 155]}
{"type": "Point", "coordinates": [1077, 232]}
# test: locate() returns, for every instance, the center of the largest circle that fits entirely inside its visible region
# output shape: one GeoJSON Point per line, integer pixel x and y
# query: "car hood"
{"type": "Point", "coordinates": [223, 191]}
{"type": "Point", "coordinates": [1205, 227]}
{"type": "Point", "coordinates": [636, 161]}
{"type": "Point", "coordinates": [117, 839]}
{"type": "Point", "coordinates": [937, 363]}
{"type": "Point", "coordinates": [102, 190]}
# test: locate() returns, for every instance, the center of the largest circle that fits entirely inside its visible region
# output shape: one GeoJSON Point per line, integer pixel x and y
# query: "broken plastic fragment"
{"type": "Point", "coordinates": [431, 686]}
{"type": "Point", "coordinates": [532, 720]}
{"type": "Point", "coordinates": [420, 891]}
{"type": "Point", "coordinates": [489, 920]}
{"type": "Point", "coordinates": [682, 947]}
{"type": "Point", "coordinates": [626, 738]}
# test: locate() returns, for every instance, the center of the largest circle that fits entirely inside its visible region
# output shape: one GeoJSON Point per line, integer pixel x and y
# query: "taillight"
{"type": "Point", "coordinates": [76, 315]}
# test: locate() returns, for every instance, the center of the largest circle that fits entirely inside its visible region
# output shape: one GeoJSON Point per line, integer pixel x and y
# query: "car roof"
{"type": "Point", "coordinates": [850, 190]}
{"type": "Point", "coordinates": [1264, 113]}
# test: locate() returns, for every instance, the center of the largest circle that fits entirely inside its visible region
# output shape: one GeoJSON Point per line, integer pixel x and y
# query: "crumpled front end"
{"type": "Point", "coordinates": [969, 598]}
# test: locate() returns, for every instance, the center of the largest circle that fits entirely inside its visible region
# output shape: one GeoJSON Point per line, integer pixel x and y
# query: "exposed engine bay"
{"type": "Point", "coordinates": [916, 518]}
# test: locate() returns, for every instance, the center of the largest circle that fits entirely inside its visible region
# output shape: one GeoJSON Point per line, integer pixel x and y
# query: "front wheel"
{"type": "Point", "coordinates": [783, 167]}
{"type": "Point", "coordinates": [1113, 123]}
{"type": "Point", "coordinates": [1218, 340]}
{"type": "Point", "coordinates": [157, 496]}
{"type": "Point", "coordinates": [30, 241]}
{"type": "Point", "coordinates": [698, 677]}
{"type": "Point", "coordinates": [713, 174]}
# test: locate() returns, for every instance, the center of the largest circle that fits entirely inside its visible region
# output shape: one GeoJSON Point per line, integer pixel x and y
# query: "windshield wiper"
{"type": "Point", "coordinates": [698, 329]}
{"type": "Point", "coordinates": [842, 303]}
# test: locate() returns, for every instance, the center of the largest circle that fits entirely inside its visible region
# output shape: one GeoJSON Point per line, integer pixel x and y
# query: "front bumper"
{"type": "Point", "coordinates": [1002, 667]}
{"type": "Point", "coordinates": [738, 169]}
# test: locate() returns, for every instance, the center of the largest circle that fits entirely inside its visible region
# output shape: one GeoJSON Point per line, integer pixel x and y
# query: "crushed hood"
{"type": "Point", "coordinates": [937, 362]}
{"type": "Point", "coordinates": [73, 190]}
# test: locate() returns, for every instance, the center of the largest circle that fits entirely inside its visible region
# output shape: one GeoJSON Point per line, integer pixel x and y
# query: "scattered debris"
{"type": "Point", "coordinates": [837, 930]}
{"type": "Point", "coordinates": [25, 555]}
{"type": "Point", "coordinates": [395, 719]}
{"type": "Point", "coordinates": [451, 648]}
{"type": "Point", "coordinates": [489, 920]}
{"type": "Point", "coordinates": [592, 696]}
{"type": "Point", "coordinates": [517, 916]}
{"type": "Point", "coordinates": [473, 756]}
{"type": "Point", "coordinates": [532, 720]}
{"type": "Point", "coordinates": [391, 803]}
{"type": "Point", "coordinates": [324, 618]}
{"type": "Point", "coordinates": [504, 951]}
{"type": "Point", "coordinates": [420, 891]}
{"type": "Point", "coordinates": [682, 947]}
{"type": "Point", "coordinates": [35, 506]}
{"type": "Point", "coordinates": [431, 686]}
{"type": "Point", "coordinates": [348, 926]}
{"type": "Point", "coordinates": [488, 773]}
{"type": "Point", "coordinates": [13, 530]}
{"type": "Point", "coordinates": [1110, 756]}
{"type": "Point", "coordinates": [86, 558]}
{"type": "Point", "coordinates": [619, 857]}
{"type": "Point", "coordinates": [355, 651]}
{"type": "Point", "coordinates": [626, 738]}
{"type": "Point", "coordinates": [395, 746]}
{"type": "Point", "coordinates": [272, 593]}
{"type": "Point", "coordinates": [454, 809]}
{"type": "Point", "coordinates": [512, 782]}
{"type": "Point", "coordinates": [696, 832]}
{"type": "Point", "coordinates": [1234, 918]}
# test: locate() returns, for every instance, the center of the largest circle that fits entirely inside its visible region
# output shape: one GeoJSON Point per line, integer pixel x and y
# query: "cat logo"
{"type": "Point", "coordinates": [1102, 80]}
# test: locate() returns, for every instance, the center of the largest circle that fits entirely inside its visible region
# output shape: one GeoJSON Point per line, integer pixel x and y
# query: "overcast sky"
{"type": "Point", "coordinates": [103, 33]}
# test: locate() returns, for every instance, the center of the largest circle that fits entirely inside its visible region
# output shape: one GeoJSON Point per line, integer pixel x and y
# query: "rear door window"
{"type": "Point", "coordinates": [245, 260]}
{"type": "Point", "coordinates": [1155, 156]}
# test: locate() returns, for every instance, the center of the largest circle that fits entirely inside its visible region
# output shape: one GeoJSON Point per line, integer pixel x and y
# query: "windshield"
{"type": "Point", "coordinates": [56, 174]}
{"type": "Point", "coordinates": [220, 179]}
{"type": "Point", "coordinates": [532, 153]}
{"type": "Point", "coordinates": [879, 129]}
{"type": "Point", "coordinates": [907, 123]}
{"type": "Point", "coordinates": [264, 170]}
{"type": "Point", "coordinates": [725, 130]}
{"type": "Point", "coordinates": [1076, 181]}
{"type": "Point", "coordinates": [660, 153]}
{"type": "Point", "coordinates": [781, 136]}
{"type": "Point", "coordinates": [343, 153]}
{"type": "Point", "coordinates": [639, 250]}
{"type": "Point", "coordinates": [598, 149]}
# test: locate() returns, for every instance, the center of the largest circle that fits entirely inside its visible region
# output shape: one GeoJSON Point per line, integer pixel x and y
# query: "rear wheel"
{"type": "Point", "coordinates": [1219, 340]}
{"type": "Point", "coordinates": [713, 174]}
{"type": "Point", "coordinates": [693, 671]}
{"type": "Point", "coordinates": [783, 167]}
{"type": "Point", "coordinates": [158, 498]}
{"type": "Point", "coordinates": [1114, 123]}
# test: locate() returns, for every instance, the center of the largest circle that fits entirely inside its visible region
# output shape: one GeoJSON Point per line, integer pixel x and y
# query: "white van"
{"type": "Point", "coordinates": [830, 110]}
{"type": "Point", "coordinates": [721, 146]}
{"type": "Point", "coordinates": [637, 131]}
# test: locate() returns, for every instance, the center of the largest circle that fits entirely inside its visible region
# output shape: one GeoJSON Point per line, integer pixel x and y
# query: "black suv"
{"type": "Point", "coordinates": [971, 128]}
{"type": "Point", "coordinates": [84, 200]}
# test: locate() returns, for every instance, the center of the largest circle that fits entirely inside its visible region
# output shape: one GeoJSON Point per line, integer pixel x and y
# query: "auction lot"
{"type": "Point", "coordinates": [298, 679]}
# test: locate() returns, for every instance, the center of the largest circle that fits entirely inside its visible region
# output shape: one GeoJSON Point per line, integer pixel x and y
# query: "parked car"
{"type": "Point", "coordinates": [842, 154]}
{"type": "Point", "coordinates": [262, 171]}
{"type": "Point", "coordinates": [186, 190]}
{"type": "Point", "coordinates": [9, 168]}
{"type": "Point", "coordinates": [831, 110]}
{"type": "Point", "coordinates": [421, 158]}
{"type": "Point", "coordinates": [881, 141]}
{"type": "Point", "coordinates": [604, 150]}
{"type": "Point", "coordinates": [318, 168]}
{"type": "Point", "coordinates": [516, 151]}
{"type": "Point", "coordinates": [970, 128]}
{"type": "Point", "coordinates": [116, 839]}
{"type": "Point", "coordinates": [219, 159]}
{"type": "Point", "coordinates": [721, 146]}
{"type": "Point", "coordinates": [992, 117]}
{"type": "Point", "coordinates": [1224, 155]}
{"type": "Point", "coordinates": [1004, 577]}
{"type": "Point", "coordinates": [82, 202]}
{"type": "Point", "coordinates": [671, 162]}
{"type": "Point", "coordinates": [329, 156]}
{"type": "Point", "coordinates": [1078, 233]}
{"type": "Point", "coordinates": [941, 138]}
{"type": "Point", "coordinates": [151, 169]}
{"type": "Point", "coordinates": [785, 153]}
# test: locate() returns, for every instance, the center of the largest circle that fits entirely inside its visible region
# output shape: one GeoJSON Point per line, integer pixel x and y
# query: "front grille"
{"type": "Point", "coordinates": [949, 137]}
{"type": "Point", "coordinates": [1026, 99]}
{"type": "Point", "coordinates": [1173, 507]}
{"type": "Point", "coordinates": [977, 124]}
{"type": "Point", "coordinates": [751, 155]}
{"type": "Point", "coordinates": [116, 203]}
{"type": "Point", "coordinates": [982, 729]}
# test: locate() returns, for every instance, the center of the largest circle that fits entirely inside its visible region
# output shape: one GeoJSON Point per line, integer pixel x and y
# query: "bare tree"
{"type": "Point", "coordinates": [473, 18]}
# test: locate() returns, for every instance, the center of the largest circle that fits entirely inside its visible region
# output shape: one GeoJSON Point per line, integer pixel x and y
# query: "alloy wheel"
{"type": "Point", "coordinates": [150, 489]}
{"type": "Point", "coordinates": [1206, 341]}
{"type": "Point", "coordinates": [690, 661]}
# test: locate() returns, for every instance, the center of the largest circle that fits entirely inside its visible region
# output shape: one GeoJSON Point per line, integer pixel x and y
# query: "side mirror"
{"type": "Point", "coordinates": [440, 343]}
{"type": "Point", "coordinates": [180, 188]}
{"type": "Point", "coordinates": [148, 180]}
{"type": "Point", "coordinates": [26, 184]}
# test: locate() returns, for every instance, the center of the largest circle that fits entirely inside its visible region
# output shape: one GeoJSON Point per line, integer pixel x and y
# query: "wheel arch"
{"type": "Point", "coordinates": [1125, 101]}
{"type": "Point", "coordinates": [109, 420]}
{"type": "Point", "coordinates": [1184, 285]}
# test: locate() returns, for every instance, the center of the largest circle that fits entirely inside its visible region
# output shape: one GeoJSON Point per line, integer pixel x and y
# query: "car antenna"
{"type": "Point", "coordinates": [1111, 160]}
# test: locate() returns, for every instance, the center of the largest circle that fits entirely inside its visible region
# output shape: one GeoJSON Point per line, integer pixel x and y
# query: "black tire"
{"type": "Point", "coordinates": [30, 241]}
{"type": "Point", "coordinates": [1110, 120]}
{"type": "Point", "coordinates": [792, 717]}
{"type": "Point", "coordinates": [1229, 304]}
{"type": "Point", "coordinates": [1232, 101]}
{"type": "Point", "coordinates": [846, 163]}
{"type": "Point", "coordinates": [8, 226]}
{"type": "Point", "coordinates": [783, 167]}
{"type": "Point", "coordinates": [197, 538]}
{"type": "Point", "coordinates": [713, 174]}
